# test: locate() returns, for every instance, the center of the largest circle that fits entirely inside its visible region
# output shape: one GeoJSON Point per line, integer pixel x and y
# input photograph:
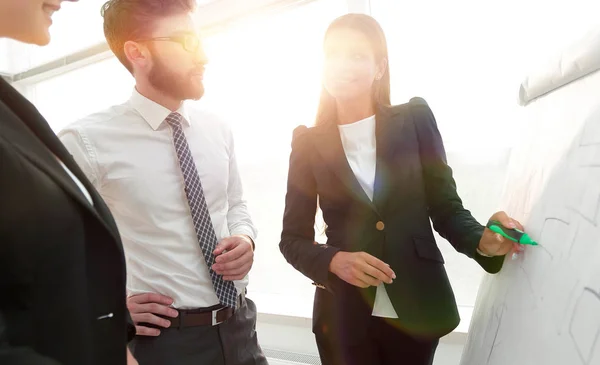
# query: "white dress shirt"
{"type": "Point", "coordinates": [359, 144]}
{"type": "Point", "coordinates": [127, 152]}
{"type": "Point", "coordinates": [77, 182]}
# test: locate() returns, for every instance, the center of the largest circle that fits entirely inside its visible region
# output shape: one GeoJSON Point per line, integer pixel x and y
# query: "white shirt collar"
{"type": "Point", "coordinates": [153, 113]}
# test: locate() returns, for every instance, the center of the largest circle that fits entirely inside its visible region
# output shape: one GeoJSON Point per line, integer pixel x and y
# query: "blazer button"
{"type": "Point", "coordinates": [380, 226]}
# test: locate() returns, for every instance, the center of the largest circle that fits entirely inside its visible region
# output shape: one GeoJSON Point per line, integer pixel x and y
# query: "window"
{"type": "Point", "coordinates": [82, 92]}
{"type": "Point", "coordinates": [264, 77]}
{"type": "Point", "coordinates": [75, 27]}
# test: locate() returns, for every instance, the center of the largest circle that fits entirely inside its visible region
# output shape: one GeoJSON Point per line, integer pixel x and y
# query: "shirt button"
{"type": "Point", "coordinates": [380, 226]}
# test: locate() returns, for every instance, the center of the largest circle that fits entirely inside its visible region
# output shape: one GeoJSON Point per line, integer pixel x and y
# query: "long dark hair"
{"type": "Point", "coordinates": [367, 25]}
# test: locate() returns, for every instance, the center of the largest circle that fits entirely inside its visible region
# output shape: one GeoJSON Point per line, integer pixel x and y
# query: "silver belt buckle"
{"type": "Point", "coordinates": [214, 317]}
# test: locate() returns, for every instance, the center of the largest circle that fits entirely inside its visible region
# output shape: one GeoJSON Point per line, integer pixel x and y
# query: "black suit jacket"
{"type": "Point", "coordinates": [62, 269]}
{"type": "Point", "coordinates": [413, 184]}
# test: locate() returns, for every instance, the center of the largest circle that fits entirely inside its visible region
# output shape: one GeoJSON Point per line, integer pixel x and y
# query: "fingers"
{"type": "Point", "coordinates": [361, 269]}
{"type": "Point", "coordinates": [238, 274]}
{"type": "Point", "coordinates": [376, 273]}
{"type": "Point", "coordinates": [151, 319]}
{"type": "Point", "coordinates": [236, 269]}
{"type": "Point", "coordinates": [155, 308]}
{"type": "Point", "coordinates": [146, 308]}
{"type": "Point", "coordinates": [504, 248]}
{"type": "Point", "coordinates": [234, 253]}
{"type": "Point", "coordinates": [504, 220]}
{"type": "Point", "coordinates": [498, 246]}
{"type": "Point", "coordinates": [146, 331]}
{"type": "Point", "coordinates": [380, 266]}
{"type": "Point", "coordinates": [225, 268]}
{"type": "Point", "coordinates": [518, 224]}
{"type": "Point", "coordinates": [367, 279]}
{"type": "Point", "coordinates": [517, 248]}
{"type": "Point", "coordinates": [507, 221]}
{"type": "Point", "coordinates": [359, 282]}
{"type": "Point", "coordinates": [228, 244]}
{"type": "Point", "coordinates": [150, 298]}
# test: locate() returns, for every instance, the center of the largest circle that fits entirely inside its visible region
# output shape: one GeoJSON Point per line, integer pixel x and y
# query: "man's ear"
{"type": "Point", "coordinates": [137, 54]}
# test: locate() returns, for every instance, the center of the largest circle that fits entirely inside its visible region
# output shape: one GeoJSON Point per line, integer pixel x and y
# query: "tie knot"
{"type": "Point", "coordinates": [174, 119]}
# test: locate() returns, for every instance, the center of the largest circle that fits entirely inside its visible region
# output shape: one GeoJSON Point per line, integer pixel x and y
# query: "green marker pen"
{"type": "Point", "coordinates": [512, 234]}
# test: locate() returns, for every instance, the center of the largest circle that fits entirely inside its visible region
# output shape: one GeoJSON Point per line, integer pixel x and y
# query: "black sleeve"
{"type": "Point", "coordinates": [297, 238]}
{"type": "Point", "coordinates": [450, 219]}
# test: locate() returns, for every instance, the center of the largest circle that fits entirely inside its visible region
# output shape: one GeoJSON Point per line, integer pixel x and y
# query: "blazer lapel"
{"type": "Point", "coordinates": [388, 131]}
{"type": "Point", "coordinates": [329, 144]}
{"type": "Point", "coordinates": [28, 131]}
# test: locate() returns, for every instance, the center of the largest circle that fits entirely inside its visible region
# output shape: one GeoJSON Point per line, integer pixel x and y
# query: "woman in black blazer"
{"type": "Point", "coordinates": [62, 269]}
{"type": "Point", "coordinates": [379, 174]}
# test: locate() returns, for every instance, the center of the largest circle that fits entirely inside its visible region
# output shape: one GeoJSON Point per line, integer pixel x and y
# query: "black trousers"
{"type": "Point", "coordinates": [233, 342]}
{"type": "Point", "coordinates": [384, 345]}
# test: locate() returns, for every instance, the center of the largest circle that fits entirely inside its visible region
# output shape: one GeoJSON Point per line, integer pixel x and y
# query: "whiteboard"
{"type": "Point", "coordinates": [544, 306]}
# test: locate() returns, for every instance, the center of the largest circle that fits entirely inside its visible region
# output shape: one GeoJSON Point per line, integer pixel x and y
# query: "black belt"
{"type": "Point", "coordinates": [201, 317]}
{"type": "Point", "coordinates": [211, 316]}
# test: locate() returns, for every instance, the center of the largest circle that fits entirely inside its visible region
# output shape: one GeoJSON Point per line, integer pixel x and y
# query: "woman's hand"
{"type": "Point", "coordinates": [361, 269]}
{"type": "Point", "coordinates": [493, 244]}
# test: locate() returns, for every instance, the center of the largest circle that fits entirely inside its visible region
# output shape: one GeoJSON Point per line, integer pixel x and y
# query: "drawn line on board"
{"type": "Point", "coordinates": [555, 219]}
{"type": "Point", "coordinates": [565, 312]}
{"type": "Point", "coordinates": [548, 252]}
{"type": "Point", "coordinates": [544, 226]}
{"type": "Point", "coordinates": [592, 220]}
{"type": "Point", "coordinates": [575, 237]}
{"type": "Point", "coordinates": [583, 144]}
{"type": "Point", "coordinates": [593, 347]}
{"type": "Point", "coordinates": [499, 319]}
{"type": "Point", "coordinates": [528, 280]}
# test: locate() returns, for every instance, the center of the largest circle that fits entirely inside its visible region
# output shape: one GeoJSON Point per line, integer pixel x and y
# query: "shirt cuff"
{"type": "Point", "coordinates": [481, 253]}
{"type": "Point", "coordinates": [246, 231]}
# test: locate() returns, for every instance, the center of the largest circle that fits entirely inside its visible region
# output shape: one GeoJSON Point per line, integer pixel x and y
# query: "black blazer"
{"type": "Point", "coordinates": [62, 268]}
{"type": "Point", "coordinates": [413, 183]}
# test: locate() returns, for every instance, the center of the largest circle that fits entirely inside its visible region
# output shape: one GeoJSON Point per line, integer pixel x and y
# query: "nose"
{"type": "Point", "coordinates": [201, 57]}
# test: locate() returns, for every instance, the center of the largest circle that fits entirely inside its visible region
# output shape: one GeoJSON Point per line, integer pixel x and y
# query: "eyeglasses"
{"type": "Point", "coordinates": [190, 43]}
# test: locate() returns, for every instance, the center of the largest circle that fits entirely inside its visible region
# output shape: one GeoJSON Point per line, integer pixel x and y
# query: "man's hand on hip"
{"type": "Point", "coordinates": [145, 308]}
{"type": "Point", "coordinates": [234, 257]}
